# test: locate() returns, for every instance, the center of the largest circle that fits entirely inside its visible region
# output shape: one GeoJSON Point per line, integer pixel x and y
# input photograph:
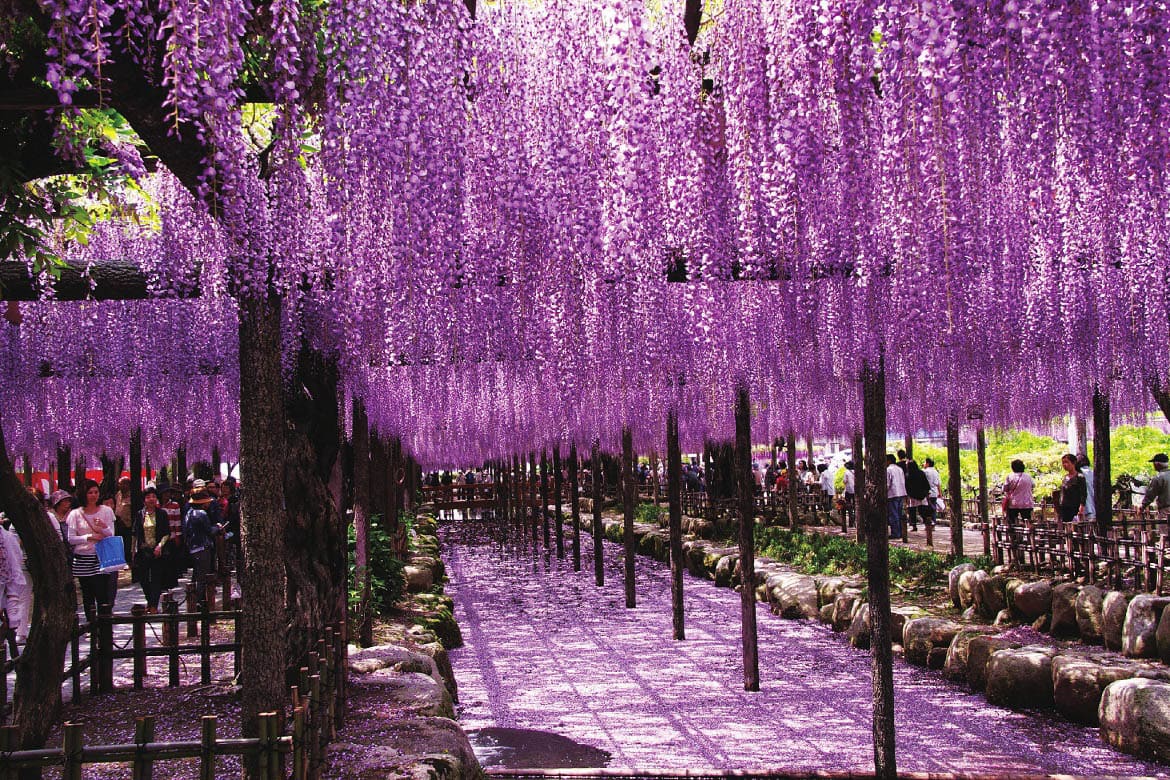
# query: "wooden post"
{"type": "Point", "coordinates": [192, 601]}
{"type": "Point", "coordinates": [75, 657]}
{"type": "Point", "coordinates": [628, 485]}
{"type": "Point", "coordinates": [654, 476]}
{"type": "Point", "coordinates": [207, 748]}
{"type": "Point", "coordinates": [873, 389]}
{"type": "Point", "coordinates": [9, 743]}
{"type": "Point", "coordinates": [79, 479]}
{"type": "Point", "coordinates": [300, 767]}
{"type": "Point", "coordinates": [139, 633]}
{"type": "Point", "coordinates": [28, 471]}
{"type": "Point", "coordinates": [575, 505]}
{"type": "Point", "coordinates": [793, 488]}
{"type": "Point", "coordinates": [142, 768]}
{"type": "Point", "coordinates": [106, 659]}
{"type": "Point", "coordinates": [909, 447]}
{"type": "Point", "coordinates": [180, 475]}
{"type": "Point", "coordinates": [558, 491]}
{"type": "Point", "coordinates": [746, 489]}
{"type": "Point", "coordinates": [984, 509]}
{"type": "Point", "coordinates": [205, 645]}
{"type": "Point", "coordinates": [171, 637]}
{"type": "Point", "coordinates": [72, 746]}
{"type": "Point", "coordinates": [955, 484]}
{"type": "Point", "coordinates": [674, 502]}
{"type": "Point", "coordinates": [1102, 454]}
{"type": "Point", "coordinates": [598, 528]}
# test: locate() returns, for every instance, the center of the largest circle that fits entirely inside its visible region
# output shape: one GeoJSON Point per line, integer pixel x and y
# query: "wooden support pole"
{"type": "Point", "coordinates": [859, 484]}
{"type": "Point", "coordinates": [575, 505]}
{"type": "Point", "coordinates": [207, 748]}
{"type": "Point", "coordinates": [873, 381]}
{"type": "Point", "coordinates": [64, 461]}
{"type": "Point", "coordinates": [142, 768]}
{"type": "Point", "coordinates": [361, 523]}
{"type": "Point", "coordinates": [79, 479]}
{"type": "Point", "coordinates": [629, 486]}
{"type": "Point", "coordinates": [138, 632]}
{"type": "Point", "coordinates": [181, 468]}
{"type": "Point", "coordinates": [984, 508]}
{"type": "Point", "coordinates": [558, 492]}
{"type": "Point", "coordinates": [72, 746]}
{"type": "Point", "coordinates": [674, 502]}
{"type": "Point", "coordinates": [1102, 465]}
{"type": "Point", "coordinates": [544, 500]}
{"type": "Point", "coordinates": [909, 446]}
{"type": "Point", "coordinates": [955, 484]}
{"type": "Point", "coordinates": [598, 528]}
{"type": "Point", "coordinates": [793, 487]}
{"type": "Point", "coordinates": [746, 495]}
{"type": "Point", "coordinates": [135, 472]}
{"type": "Point", "coordinates": [28, 471]}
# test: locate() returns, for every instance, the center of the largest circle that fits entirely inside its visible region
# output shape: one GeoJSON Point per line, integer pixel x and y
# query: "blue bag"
{"type": "Point", "coordinates": [111, 554]}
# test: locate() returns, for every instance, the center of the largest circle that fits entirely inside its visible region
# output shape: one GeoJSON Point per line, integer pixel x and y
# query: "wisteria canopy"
{"type": "Point", "coordinates": [555, 219]}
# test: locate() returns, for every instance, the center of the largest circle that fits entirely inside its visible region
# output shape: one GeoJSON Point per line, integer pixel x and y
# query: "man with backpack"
{"type": "Point", "coordinates": [917, 493]}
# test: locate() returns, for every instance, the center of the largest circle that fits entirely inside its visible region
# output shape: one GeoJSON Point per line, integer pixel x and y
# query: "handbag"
{"type": "Point", "coordinates": [111, 554]}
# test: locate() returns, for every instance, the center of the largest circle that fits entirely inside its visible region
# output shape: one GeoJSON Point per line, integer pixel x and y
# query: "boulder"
{"type": "Point", "coordinates": [859, 629]}
{"type": "Point", "coordinates": [1113, 618]}
{"type": "Point", "coordinates": [442, 660]}
{"type": "Point", "coordinates": [968, 582]}
{"type": "Point", "coordinates": [1042, 623]}
{"type": "Point", "coordinates": [1089, 610]}
{"type": "Point", "coordinates": [794, 596]}
{"type": "Point", "coordinates": [1021, 677]}
{"type": "Point", "coordinates": [829, 587]}
{"type": "Point", "coordinates": [899, 616]}
{"type": "Point", "coordinates": [970, 615]}
{"type": "Point", "coordinates": [1064, 609]}
{"type": "Point", "coordinates": [1162, 636]}
{"type": "Point", "coordinates": [845, 606]}
{"type": "Point", "coordinates": [1139, 633]}
{"type": "Point", "coordinates": [826, 614]}
{"type": "Point", "coordinates": [412, 747]}
{"type": "Point", "coordinates": [1003, 618]}
{"type": "Point", "coordinates": [989, 596]}
{"type": "Point", "coordinates": [1032, 599]}
{"type": "Point", "coordinates": [418, 578]}
{"type": "Point", "coordinates": [953, 582]}
{"type": "Point", "coordinates": [417, 693]}
{"type": "Point", "coordinates": [979, 652]}
{"type": "Point", "coordinates": [1135, 717]}
{"type": "Point", "coordinates": [693, 554]}
{"type": "Point", "coordinates": [725, 571]}
{"type": "Point", "coordinates": [1078, 682]}
{"type": "Point", "coordinates": [393, 657]}
{"type": "Point", "coordinates": [926, 640]}
{"type": "Point", "coordinates": [955, 665]}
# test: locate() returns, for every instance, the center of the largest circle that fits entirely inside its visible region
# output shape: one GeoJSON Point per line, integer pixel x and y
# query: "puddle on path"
{"type": "Point", "coordinates": [526, 748]}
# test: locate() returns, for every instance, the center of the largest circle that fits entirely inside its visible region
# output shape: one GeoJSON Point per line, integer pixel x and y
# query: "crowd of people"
{"type": "Point", "coordinates": [174, 532]}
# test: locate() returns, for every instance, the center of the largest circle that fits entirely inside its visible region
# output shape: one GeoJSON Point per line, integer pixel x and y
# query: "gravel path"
{"type": "Point", "coordinates": [546, 650]}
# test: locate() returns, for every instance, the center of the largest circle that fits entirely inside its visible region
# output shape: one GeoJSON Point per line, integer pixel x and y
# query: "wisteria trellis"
{"type": "Point", "coordinates": [976, 189]}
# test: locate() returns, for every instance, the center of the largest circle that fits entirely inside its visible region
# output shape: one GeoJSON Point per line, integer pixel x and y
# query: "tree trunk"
{"type": "Point", "coordinates": [544, 500]}
{"type": "Point", "coordinates": [746, 490]}
{"type": "Point", "coordinates": [878, 563]}
{"type": "Point", "coordinates": [263, 625]}
{"type": "Point", "coordinates": [674, 502]}
{"type": "Point", "coordinates": [628, 487]}
{"type": "Point", "coordinates": [216, 463]}
{"type": "Point", "coordinates": [1161, 393]}
{"type": "Point", "coordinates": [37, 698]}
{"type": "Point", "coordinates": [379, 484]}
{"type": "Point", "coordinates": [910, 446]}
{"type": "Point", "coordinates": [361, 523]}
{"type": "Point", "coordinates": [181, 467]}
{"type": "Point", "coordinates": [28, 471]}
{"type": "Point", "coordinates": [558, 491]}
{"type": "Point", "coordinates": [955, 484]}
{"type": "Point", "coordinates": [1102, 454]}
{"type": "Point", "coordinates": [109, 475]}
{"type": "Point", "coordinates": [598, 529]}
{"type": "Point", "coordinates": [79, 477]}
{"type": "Point", "coordinates": [984, 508]}
{"type": "Point", "coordinates": [859, 485]}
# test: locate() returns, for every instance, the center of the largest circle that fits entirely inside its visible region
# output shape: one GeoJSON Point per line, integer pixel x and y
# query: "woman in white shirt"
{"type": "Point", "coordinates": [88, 525]}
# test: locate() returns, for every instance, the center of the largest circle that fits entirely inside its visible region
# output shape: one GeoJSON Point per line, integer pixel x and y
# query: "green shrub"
{"type": "Point", "coordinates": [648, 513]}
{"type": "Point", "coordinates": [387, 583]}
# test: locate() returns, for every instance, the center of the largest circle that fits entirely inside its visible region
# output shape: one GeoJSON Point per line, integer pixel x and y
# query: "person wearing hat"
{"type": "Point", "coordinates": [1159, 490]}
{"type": "Point", "coordinates": [199, 532]}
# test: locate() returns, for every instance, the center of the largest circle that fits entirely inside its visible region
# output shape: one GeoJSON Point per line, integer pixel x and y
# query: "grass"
{"type": "Point", "coordinates": [824, 555]}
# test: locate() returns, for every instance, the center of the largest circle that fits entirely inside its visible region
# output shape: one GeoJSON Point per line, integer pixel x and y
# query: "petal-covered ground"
{"type": "Point", "coordinates": [546, 650]}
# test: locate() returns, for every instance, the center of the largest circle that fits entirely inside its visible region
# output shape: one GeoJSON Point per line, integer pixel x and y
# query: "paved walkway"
{"type": "Point", "coordinates": [546, 650]}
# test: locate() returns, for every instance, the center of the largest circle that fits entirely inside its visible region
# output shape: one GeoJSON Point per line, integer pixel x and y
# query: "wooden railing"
{"type": "Point", "coordinates": [317, 708]}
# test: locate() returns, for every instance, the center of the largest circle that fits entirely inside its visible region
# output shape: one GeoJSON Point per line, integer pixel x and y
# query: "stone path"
{"type": "Point", "coordinates": [546, 650]}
